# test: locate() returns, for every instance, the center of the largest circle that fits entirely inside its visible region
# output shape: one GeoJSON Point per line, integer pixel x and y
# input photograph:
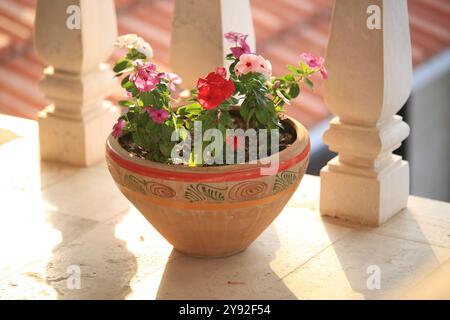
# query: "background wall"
{"type": "Point", "coordinates": [428, 147]}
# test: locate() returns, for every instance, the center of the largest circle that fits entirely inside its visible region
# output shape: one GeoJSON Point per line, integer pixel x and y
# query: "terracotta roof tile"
{"type": "Point", "coordinates": [284, 29]}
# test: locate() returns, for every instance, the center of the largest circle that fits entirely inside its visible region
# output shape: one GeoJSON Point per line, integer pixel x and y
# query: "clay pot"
{"type": "Point", "coordinates": [209, 211]}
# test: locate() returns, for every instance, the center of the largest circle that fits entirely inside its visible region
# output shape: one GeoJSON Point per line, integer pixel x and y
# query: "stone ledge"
{"type": "Point", "coordinates": [51, 222]}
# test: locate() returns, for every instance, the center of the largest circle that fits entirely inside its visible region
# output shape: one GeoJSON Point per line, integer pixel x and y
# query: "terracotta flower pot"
{"type": "Point", "coordinates": [209, 211]}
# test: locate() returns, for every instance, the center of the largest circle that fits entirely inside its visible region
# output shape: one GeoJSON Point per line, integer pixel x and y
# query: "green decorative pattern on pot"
{"type": "Point", "coordinates": [284, 180]}
{"type": "Point", "coordinates": [202, 192]}
{"type": "Point", "coordinates": [148, 187]}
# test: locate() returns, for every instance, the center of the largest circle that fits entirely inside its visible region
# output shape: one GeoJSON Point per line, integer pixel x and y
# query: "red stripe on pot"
{"type": "Point", "coordinates": [241, 174]}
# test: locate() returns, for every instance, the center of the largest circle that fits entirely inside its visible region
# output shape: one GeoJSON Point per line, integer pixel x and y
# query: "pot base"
{"type": "Point", "coordinates": [210, 229]}
{"type": "Point", "coordinates": [219, 256]}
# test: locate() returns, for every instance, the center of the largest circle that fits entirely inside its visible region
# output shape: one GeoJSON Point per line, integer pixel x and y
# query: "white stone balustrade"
{"type": "Point", "coordinates": [369, 81]}
{"type": "Point", "coordinates": [198, 46]}
{"type": "Point", "coordinates": [74, 37]}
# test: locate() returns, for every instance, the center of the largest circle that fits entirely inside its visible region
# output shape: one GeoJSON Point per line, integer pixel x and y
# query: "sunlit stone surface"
{"type": "Point", "coordinates": [55, 217]}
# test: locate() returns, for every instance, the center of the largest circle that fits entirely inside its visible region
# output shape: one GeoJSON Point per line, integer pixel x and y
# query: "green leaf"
{"type": "Point", "coordinates": [121, 65]}
{"type": "Point", "coordinates": [262, 115]}
{"type": "Point", "coordinates": [133, 54]}
{"type": "Point", "coordinates": [261, 100]}
{"type": "Point", "coordinates": [150, 99]}
{"type": "Point", "coordinates": [194, 107]}
{"type": "Point", "coordinates": [166, 148]}
{"type": "Point", "coordinates": [150, 126]}
{"type": "Point", "coordinates": [289, 77]}
{"type": "Point", "coordinates": [250, 116]}
{"type": "Point", "coordinates": [304, 69]}
{"type": "Point", "coordinates": [183, 133]}
{"type": "Point", "coordinates": [126, 103]}
{"type": "Point", "coordinates": [125, 80]}
{"type": "Point", "coordinates": [133, 90]}
{"type": "Point", "coordinates": [309, 83]}
{"type": "Point", "coordinates": [138, 138]}
{"type": "Point", "coordinates": [294, 90]}
{"type": "Point", "coordinates": [276, 121]}
{"type": "Point", "coordinates": [231, 68]}
{"type": "Point", "coordinates": [293, 69]}
{"type": "Point", "coordinates": [225, 118]}
{"type": "Point", "coordinates": [230, 57]}
{"type": "Point", "coordinates": [244, 110]}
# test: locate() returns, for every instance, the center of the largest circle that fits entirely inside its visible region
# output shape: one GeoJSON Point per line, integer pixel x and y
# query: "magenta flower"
{"type": "Point", "coordinates": [173, 79]}
{"type": "Point", "coordinates": [117, 129]}
{"type": "Point", "coordinates": [146, 77]}
{"type": "Point", "coordinates": [235, 37]}
{"type": "Point", "coordinates": [316, 63]}
{"type": "Point", "coordinates": [240, 44]}
{"type": "Point", "coordinates": [324, 73]}
{"type": "Point", "coordinates": [158, 116]}
{"type": "Point", "coordinates": [243, 48]}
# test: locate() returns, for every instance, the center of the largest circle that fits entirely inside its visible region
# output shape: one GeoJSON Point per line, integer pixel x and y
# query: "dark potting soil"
{"type": "Point", "coordinates": [287, 137]}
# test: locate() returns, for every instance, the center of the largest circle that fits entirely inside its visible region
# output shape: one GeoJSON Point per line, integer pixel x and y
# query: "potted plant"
{"type": "Point", "coordinates": [212, 167]}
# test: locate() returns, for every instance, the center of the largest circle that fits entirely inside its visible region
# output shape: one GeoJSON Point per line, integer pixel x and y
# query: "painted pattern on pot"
{"type": "Point", "coordinates": [204, 192]}
{"type": "Point", "coordinates": [283, 180]}
{"type": "Point", "coordinates": [247, 190]}
{"type": "Point", "coordinates": [144, 186]}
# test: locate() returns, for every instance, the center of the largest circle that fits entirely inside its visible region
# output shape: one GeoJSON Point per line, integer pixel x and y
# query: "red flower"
{"type": "Point", "coordinates": [214, 89]}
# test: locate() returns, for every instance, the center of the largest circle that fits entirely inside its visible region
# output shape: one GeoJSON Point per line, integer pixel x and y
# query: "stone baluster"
{"type": "Point", "coordinates": [198, 46]}
{"type": "Point", "coordinates": [369, 64]}
{"type": "Point", "coordinates": [74, 37]}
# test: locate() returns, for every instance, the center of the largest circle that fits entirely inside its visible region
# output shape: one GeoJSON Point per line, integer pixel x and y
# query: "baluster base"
{"type": "Point", "coordinates": [77, 142]}
{"type": "Point", "coordinates": [366, 196]}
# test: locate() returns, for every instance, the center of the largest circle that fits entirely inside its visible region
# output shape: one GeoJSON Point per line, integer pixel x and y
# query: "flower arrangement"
{"type": "Point", "coordinates": [247, 96]}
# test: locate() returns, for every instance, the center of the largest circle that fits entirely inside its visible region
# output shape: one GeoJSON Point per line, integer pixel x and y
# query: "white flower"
{"type": "Point", "coordinates": [144, 47]}
{"type": "Point", "coordinates": [132, 41]}
{"type": "Point", "coordinates": [126, 40]}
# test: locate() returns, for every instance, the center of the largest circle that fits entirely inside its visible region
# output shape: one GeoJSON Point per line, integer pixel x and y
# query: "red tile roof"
{"type": "Point", "coordinates": [284, 29]}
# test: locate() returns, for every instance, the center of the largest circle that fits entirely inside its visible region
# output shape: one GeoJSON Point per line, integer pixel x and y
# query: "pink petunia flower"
{"type": "Point", "coordinates": [243, 48]}
{"type": "Point", "coordinates": [234, 37]}
{"type": "Point", "coordinates": [253, 63]}
{"type": "Point", "coordinates": [316, 63]}
{"type": "Point", "coordinates": [324, 73]}
{"type": "Point", "coordinates": [157, 115]}
{"type": "Point", "coordinates": [240, 44]}
{"type": "Point", "coordinates": [146, 78]}
{"type": "Point", "coordinates": [117, 129]}
{"type": "Point", "coordinates": [173, 79]}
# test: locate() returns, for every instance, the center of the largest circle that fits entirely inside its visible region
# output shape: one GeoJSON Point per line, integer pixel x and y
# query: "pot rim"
{"type": "Point", "coordinates": [289, 157]}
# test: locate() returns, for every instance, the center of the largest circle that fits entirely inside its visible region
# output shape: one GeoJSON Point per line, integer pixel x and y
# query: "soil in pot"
{"type": "Point", "coordinates": [286, 138]}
